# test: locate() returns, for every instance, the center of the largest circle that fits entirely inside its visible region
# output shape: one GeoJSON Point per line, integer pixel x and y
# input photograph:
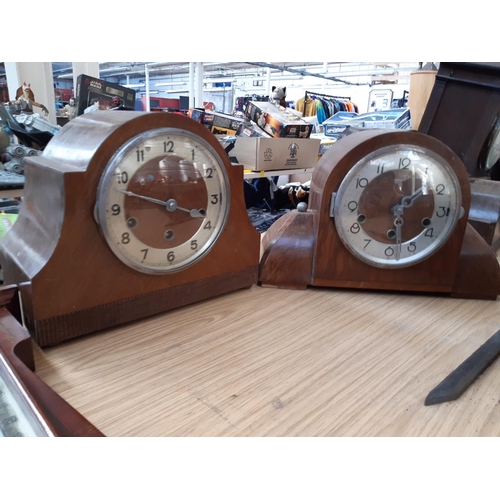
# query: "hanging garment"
{"type": "Point", "coordinates": [320, 112]}
{"type": "Point", "coordinates": [310, 107]}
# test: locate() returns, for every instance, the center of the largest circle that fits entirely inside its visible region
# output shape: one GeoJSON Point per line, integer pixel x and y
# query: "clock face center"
{"type": "Point", "coordinates": [176, 182]}
{"type": "Point", "coordinates": [385, 192]}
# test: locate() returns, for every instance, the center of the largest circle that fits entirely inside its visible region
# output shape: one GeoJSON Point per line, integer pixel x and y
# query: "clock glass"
{"type": "Point", "coordinates": [397, 206]}
{"type": "Point", "coordinates": [493, 147]}
{"type": "Point", "coordinates": [163, 200]}
{"type": "Point", "coordinates": [18, 415]}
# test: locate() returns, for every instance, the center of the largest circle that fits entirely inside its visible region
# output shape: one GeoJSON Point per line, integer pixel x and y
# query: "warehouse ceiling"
{"type": "Point", "coordinates": [120, 71]}
{"type": "Point", "coordinates": [345, 72]}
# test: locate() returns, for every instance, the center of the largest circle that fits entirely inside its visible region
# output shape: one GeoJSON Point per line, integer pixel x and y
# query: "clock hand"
{"type": "Point", "coordinates": [147, 198]}
{"type": "Point", "coordinates": [170, 205]}
{"type": "Point", "coordinates": [407, 201]}
{"type": "Point", "coordinates": [398, 222]}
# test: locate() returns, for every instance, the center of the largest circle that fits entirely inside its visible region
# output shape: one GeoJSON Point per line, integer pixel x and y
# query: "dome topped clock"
{"type": "Point", "coordinates": [388, 210]}
{"type": "Point", "coordinates": [127, 214]}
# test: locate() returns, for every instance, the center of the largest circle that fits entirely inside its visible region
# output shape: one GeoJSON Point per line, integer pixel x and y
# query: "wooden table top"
{"type": "Point", "coordinates": [273, 362]}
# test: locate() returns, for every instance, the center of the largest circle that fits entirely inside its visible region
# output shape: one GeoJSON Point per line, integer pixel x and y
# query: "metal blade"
{"type": "Point", "coordinates": [460, 379]}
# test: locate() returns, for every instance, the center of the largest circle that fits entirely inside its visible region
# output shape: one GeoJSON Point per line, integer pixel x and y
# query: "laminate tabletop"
{"type": "Point", "coordinates": [276, 362]}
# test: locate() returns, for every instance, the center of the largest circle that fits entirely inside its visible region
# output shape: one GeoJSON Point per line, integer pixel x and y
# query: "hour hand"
{"type": "Point", "coordinates": [398, 222]}
{"type": "Point", "coordinates": [197, 214]}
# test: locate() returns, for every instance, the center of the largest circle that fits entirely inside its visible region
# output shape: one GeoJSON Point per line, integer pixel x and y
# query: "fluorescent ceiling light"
{"type": "Point", "coordinates": [132, 85]}
{"type": "Point", "coordinates": [176, 91]}
{"type": "Point", "coordinates": [169, 83]}
{"type": "Point", "coordinates": [218, 89]}
{"type": "Point", "coordinates": [219, 80]}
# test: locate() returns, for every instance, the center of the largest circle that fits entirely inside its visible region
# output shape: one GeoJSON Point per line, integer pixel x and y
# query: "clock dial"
{"type": "Point", "coordinates": [163, 200]}
{"type": "Point", "coordinates": [397, 206]}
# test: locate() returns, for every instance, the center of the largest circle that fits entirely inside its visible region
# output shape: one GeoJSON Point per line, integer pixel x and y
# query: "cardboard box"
{"type": "Point", "coordinates": [257, 153]}
{"type": "Point", "coordinates": [196, 114]}
{"type": "Point", "coordinates": [88, 88]}
{"type": "Point", "coordinates": [277, 121]}
{"type": "Point", "coordinates": [217, 123]}
{"type": "Point", "coordinates": [223, 123]}
{"type": "Point", "coordinates": [390, 119]}
{"type": "Point", "coordinates": [249, 129]}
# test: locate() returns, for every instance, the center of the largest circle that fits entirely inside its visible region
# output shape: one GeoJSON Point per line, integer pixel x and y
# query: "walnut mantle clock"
{"type": "Point", "coordinates": [387, 211]}
{"type": "Point", "coordinates": [127, 214]}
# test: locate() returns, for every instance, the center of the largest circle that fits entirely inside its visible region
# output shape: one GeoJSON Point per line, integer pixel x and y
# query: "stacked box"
{"type": "Point", "coordinates": [217, 123]}
{"type": "Point", "coordinates": [249, 129]}
{"type": "Point", "coordinates": [277, 121]}
{"type": "Point", "coordinates": [257, 153]}
{"type": "Point", "coordinates": [88, 88]}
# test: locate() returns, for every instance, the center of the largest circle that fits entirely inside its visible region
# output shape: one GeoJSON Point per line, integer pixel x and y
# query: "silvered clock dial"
{"type": "Point", "coordinates": [163, 200]}
{"type": "Point", "coordinates": [397, 206]}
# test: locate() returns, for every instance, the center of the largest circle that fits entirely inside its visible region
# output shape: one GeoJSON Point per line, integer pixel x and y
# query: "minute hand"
{"type": "Point", "coordinates": [153, 200]}
{"type": "Point", "coordinates": [170, 205]}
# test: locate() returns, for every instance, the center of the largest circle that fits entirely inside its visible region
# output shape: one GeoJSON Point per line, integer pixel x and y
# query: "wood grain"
{"type": "Point", "coordinates": [274, 362]}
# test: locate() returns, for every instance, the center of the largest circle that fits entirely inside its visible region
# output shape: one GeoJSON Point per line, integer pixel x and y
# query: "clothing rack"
{"type": "Point", "coordinates": [308, 92]}
{"type": "Point", "coordinates": [327, 105]}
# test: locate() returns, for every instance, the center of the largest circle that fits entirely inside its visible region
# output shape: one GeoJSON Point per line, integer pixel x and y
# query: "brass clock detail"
{"type": "Point", "coordinates": [387, 210]}
{"type": "Point", "coordinates": [127, 214]}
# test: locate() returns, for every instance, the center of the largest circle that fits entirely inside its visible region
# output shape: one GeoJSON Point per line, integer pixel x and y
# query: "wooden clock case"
{"type": "Point", "coordinates": [71, 283]}
{"type": "Point", "coordinates": [304, 249]}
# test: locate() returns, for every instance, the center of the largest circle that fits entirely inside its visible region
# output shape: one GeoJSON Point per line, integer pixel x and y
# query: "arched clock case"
{"type": "Point", "coordinates": [387, 211]}
{"type": "Point", "coordinates": [127, 214]}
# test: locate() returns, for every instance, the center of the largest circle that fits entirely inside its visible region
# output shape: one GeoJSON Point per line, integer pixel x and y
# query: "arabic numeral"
{"type": "Point", "coordinates": [429, 233]}
{"type": "Point", "coordinates": [367, 243]}
{"type": "Point", "coordinates": [361, 182]}
{"type": "Point", "coordinates": [355, 228]}
{"type": "Point", "coordinates": [440, 189]}
{"type": "Point", "coordinates": [115, 209]}
{"type": "Point", "coordinates": [352, 206]}
{"type": "Point", "coordinates": [122, 177]}
{"type": "Point", "coordinates": [208, 225]}
{"type": "Point", "coordinates": [209, 173]}
{"type": "Point", "coordinates": [170, 256]}
{"type": "Point", "coordinates": [389, 252]}
{"type": "Point", "coordinates": [215, 198]}
{"type": "Point", "coordinates": [168, 147]}
{"type": "Point", "coordinates": [380, 169]}
{"type": "Point", "coordinates": [140, 155]}
{"type": "Point", "coordinates": [412, 247]}
{"type": "Point", "coordinates": [443, 212]}
{"type": "Point", "coordinates": [404, 163]}
{"type": "Point", "coordinates": [145, 251]}
{"type": "Point", "coordinates": [125, 238]}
